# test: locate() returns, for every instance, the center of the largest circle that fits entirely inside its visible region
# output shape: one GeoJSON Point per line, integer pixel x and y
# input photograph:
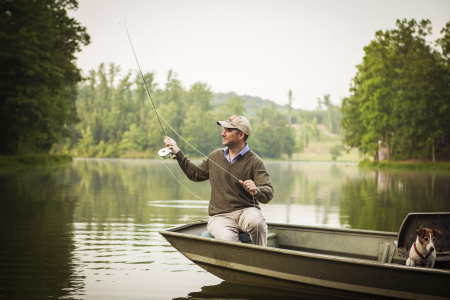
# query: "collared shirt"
{"type": "Point", "coordinates": [226, 152]}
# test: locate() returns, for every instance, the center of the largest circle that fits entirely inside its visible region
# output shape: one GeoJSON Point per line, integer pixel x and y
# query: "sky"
{"type": "Point", "coordinates": [260, 48]}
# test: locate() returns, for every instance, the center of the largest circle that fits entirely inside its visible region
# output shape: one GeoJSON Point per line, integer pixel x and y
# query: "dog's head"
{"type": "Point", "coordinates": [427, 237]}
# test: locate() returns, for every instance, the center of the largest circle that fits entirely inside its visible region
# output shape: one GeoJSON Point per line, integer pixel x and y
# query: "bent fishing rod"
{"type": "Point", "coordinates": [164, 153]}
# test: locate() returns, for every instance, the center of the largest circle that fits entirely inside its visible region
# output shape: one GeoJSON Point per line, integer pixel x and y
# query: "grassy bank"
{"type": "Point", "coordinates": [34, 160]}
{"type": "Point", "coordinates": [406, 165]}
{"type": "Point", "coordinates": [319, 150]}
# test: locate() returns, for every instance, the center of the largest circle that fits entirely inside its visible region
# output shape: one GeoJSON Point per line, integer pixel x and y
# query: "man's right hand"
{"type": "Point", "coordinates": [171, 144]}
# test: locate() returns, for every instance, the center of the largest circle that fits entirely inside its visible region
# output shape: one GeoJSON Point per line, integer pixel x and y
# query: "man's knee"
{"type": "Point", "coordinates": [222, 230]}
{"type": "Point", "coordinates": [257, 225]}
{"type": "Point", "coordinates": [253, 219]}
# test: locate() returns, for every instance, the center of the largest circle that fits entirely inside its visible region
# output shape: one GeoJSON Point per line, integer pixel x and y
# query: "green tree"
{"type": "Point", "coordinates": [315, 130]}
{"type": "Point", "coordinates": [290, 106]}
{"type": "Point", "coordinates": [133, 140]}
{"type": "Point", "coordinates": [444, 43]}
{"type": "Point", "coordinates": [272, 135]}
{"type": "Point", "coordinates": [333, 113]}
{"type": "Point", "coordinates": [399, 95]}
{"type": "Point", "coordinates": [38, 74]}
{"type": "Point", "coordinates": [86, 144]}
{"type": "Point", "coordinates": [335, 151]}
{"type": "Point", "coordinates": [173, 99]}
{"type": "Point", "coordinates": [202, 133]}
{"type": "Point", "coordinates": [200, 95]}
{"type": "Point", "coordinates": [233, 106]}
{"type": "Point", "coordinates": [199, 127]}
{"type": "Point", "coordinates": [419, 115]}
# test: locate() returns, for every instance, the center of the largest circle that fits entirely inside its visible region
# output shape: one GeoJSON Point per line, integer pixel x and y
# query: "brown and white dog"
{"type": "Point", "coordinates": [422, 251]}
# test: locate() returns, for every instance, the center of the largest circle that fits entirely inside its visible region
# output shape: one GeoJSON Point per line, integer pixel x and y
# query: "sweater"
{"type": "Point", "coordinates": [227, 194]}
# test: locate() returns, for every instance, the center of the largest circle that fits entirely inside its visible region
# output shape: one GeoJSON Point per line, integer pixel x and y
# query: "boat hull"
{"type": "Point", "coordinates": [291, 269]}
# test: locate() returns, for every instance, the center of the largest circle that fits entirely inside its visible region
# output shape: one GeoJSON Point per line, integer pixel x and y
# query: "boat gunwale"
{"type": "Point", "coordinates": [334, 229]}
{"type": "Point", "coordinates": [335, 258]}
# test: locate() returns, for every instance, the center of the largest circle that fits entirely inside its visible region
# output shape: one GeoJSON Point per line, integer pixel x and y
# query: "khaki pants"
{"type": "Point", "coordinates": [250, 220]}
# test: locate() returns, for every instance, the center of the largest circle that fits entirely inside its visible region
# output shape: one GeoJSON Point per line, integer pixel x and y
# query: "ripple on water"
{"type": "Point", "coordinates": [179, 203]}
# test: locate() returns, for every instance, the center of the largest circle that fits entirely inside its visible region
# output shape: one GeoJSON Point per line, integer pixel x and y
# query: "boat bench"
{"type": "Point", "coordinates": [245, 238]}
{"type": "Point", "coordinates": [414, 221]}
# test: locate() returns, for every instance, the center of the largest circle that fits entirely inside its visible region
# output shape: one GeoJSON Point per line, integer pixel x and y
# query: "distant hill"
{"type": "Point", "coordinates": [252, 103]}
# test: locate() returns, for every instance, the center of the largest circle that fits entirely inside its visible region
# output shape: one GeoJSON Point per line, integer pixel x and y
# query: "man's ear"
{"type": "Point", "coordinates": [241, 135]}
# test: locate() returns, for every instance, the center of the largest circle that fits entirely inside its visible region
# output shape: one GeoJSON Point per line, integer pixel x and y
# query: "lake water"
{"type": "Point", "coordinates": [89, 230]}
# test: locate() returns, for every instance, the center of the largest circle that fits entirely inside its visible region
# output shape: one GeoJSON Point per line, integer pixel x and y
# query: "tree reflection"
{"type": "Point", "coordinates": [381, 200]}
{"type": "Point", "coordinates": [36, 233]}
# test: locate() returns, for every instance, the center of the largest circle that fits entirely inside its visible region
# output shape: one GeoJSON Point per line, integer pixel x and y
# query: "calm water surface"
{"type": "Point", "coordinates": [89, 230]}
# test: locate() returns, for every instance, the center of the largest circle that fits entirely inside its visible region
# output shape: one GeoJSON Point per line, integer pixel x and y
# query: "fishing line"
{"type": "Point", "coordinates": [198, 150]}
{"type": "Point", "coordinates": [143, 80]}
{"type": "Point", "coordinates": [157, 157]}
{"type": "Point", "coordinates": [160, 123]}
{"type": "Point", "coordinates": [254, 202]}
{"type": "Point", "coordinates": [156, 56]}
{"type": "Point", "coordinates": [160, 116]}
{"type": "Point", "coordinates": [162, 161]}
{"type": "Point", "coordinates": [148, 43]}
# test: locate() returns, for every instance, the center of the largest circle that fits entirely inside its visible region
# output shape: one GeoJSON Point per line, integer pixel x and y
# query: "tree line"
{"type": "Point", "coordinates": [117, 119]}
{"type": "Point", "coordinates": [400, 96]}
{"type": "Point", "coordinates": [47, 105]}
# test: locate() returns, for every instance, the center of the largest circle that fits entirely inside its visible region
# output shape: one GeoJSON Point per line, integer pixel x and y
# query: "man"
{"type": "Point", "coordinates": [238, 179]}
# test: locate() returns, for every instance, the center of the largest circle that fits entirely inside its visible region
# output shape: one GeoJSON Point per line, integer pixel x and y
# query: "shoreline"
{"type": "Point", "coordinates": [59, 159]}
{"type": "Point", "coordinates": [412, 165]}
{"type": "Point", "coordinates": [31, 160]}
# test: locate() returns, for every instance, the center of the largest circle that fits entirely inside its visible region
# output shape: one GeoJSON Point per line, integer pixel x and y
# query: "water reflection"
{"type": "Point", "coordinates": [89, 230]}
{"type": "Point", "coordinates": [36, 233]}
{"type": "Point", "coordinates": [383, 199]}
{"type": "Point", "coordinates": [228, 290]}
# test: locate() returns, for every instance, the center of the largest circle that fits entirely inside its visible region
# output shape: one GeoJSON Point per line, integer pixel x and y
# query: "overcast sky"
{"type": "Point", "coordinates": [260, 48]}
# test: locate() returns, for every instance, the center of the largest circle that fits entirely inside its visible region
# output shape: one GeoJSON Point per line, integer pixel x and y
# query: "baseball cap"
{"type": "Point", "coordinates": [238, 122]}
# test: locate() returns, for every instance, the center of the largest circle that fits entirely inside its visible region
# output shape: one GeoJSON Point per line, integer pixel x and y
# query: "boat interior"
{"type": "Point", "coordinates": [387, 247]}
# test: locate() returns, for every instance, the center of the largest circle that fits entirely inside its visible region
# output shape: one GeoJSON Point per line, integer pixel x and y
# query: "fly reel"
{"type": "Point", "coordinates": [165, 153]}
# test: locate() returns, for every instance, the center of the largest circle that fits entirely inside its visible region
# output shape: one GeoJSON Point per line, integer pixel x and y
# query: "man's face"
{"type": "Point", "coordinates": [230, 136]}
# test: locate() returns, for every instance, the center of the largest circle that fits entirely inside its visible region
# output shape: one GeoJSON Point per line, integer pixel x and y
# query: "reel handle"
{"type": "Point", "coordinates": [173, 154]}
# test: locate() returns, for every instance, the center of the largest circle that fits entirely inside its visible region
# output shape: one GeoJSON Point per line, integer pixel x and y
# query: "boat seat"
{"type": "Point", "coordinates": [413, 221]}
{"type": "Point", "coordinates": [245, 238]}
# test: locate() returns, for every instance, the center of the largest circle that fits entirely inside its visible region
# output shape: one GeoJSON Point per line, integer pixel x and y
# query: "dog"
{"type": "Point", "coordinates": [422, 251]}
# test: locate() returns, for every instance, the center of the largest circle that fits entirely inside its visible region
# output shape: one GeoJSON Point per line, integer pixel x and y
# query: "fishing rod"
{"type": "Point", "coordinates": [164, 153]}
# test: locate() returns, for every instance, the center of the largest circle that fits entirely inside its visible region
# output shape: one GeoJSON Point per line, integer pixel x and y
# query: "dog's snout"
{"type": "Point", "coordinates": [432, 249]}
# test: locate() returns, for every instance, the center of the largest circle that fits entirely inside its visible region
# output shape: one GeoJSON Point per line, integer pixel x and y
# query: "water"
{"type": "Point", "coordinates": [89, 230]}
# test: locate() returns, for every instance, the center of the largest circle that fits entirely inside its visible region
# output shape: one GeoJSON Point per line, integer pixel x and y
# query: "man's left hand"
{"type": "Point", "coordinates": [249, 186]}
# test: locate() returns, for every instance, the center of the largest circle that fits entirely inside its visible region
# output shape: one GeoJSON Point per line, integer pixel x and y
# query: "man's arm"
{"type": "Point", "coordinates": [262, 187]}
{"type": "Point", "coordinates": [192, 171]}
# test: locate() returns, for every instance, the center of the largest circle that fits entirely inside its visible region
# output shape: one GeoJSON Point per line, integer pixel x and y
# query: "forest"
{"type": "Point", "coordinates": [398, 105]}
{"type": "Point", "coordinates": [117, 118]}
{"type": "Point", "coordinates": [400, 96]}
{"type": "Point", "coordinates": [38, 74]}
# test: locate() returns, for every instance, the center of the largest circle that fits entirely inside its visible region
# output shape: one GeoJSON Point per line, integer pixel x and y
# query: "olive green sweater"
{"type": "Point", "coordinates": [227, 194]}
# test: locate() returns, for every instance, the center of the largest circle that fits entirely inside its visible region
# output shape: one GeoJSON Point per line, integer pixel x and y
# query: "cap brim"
{"type": "Point", "coordinates": [225, 124]}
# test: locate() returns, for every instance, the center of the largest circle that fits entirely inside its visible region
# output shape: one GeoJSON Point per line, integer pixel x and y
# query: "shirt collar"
{"type": "Point", "coordinates": [226, 152]}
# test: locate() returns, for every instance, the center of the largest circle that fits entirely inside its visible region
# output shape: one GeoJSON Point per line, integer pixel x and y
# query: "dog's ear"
{"type": "Point", "coordinates": [437, 233]}
{"type": "Point", "coordinates": [421, 232]}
